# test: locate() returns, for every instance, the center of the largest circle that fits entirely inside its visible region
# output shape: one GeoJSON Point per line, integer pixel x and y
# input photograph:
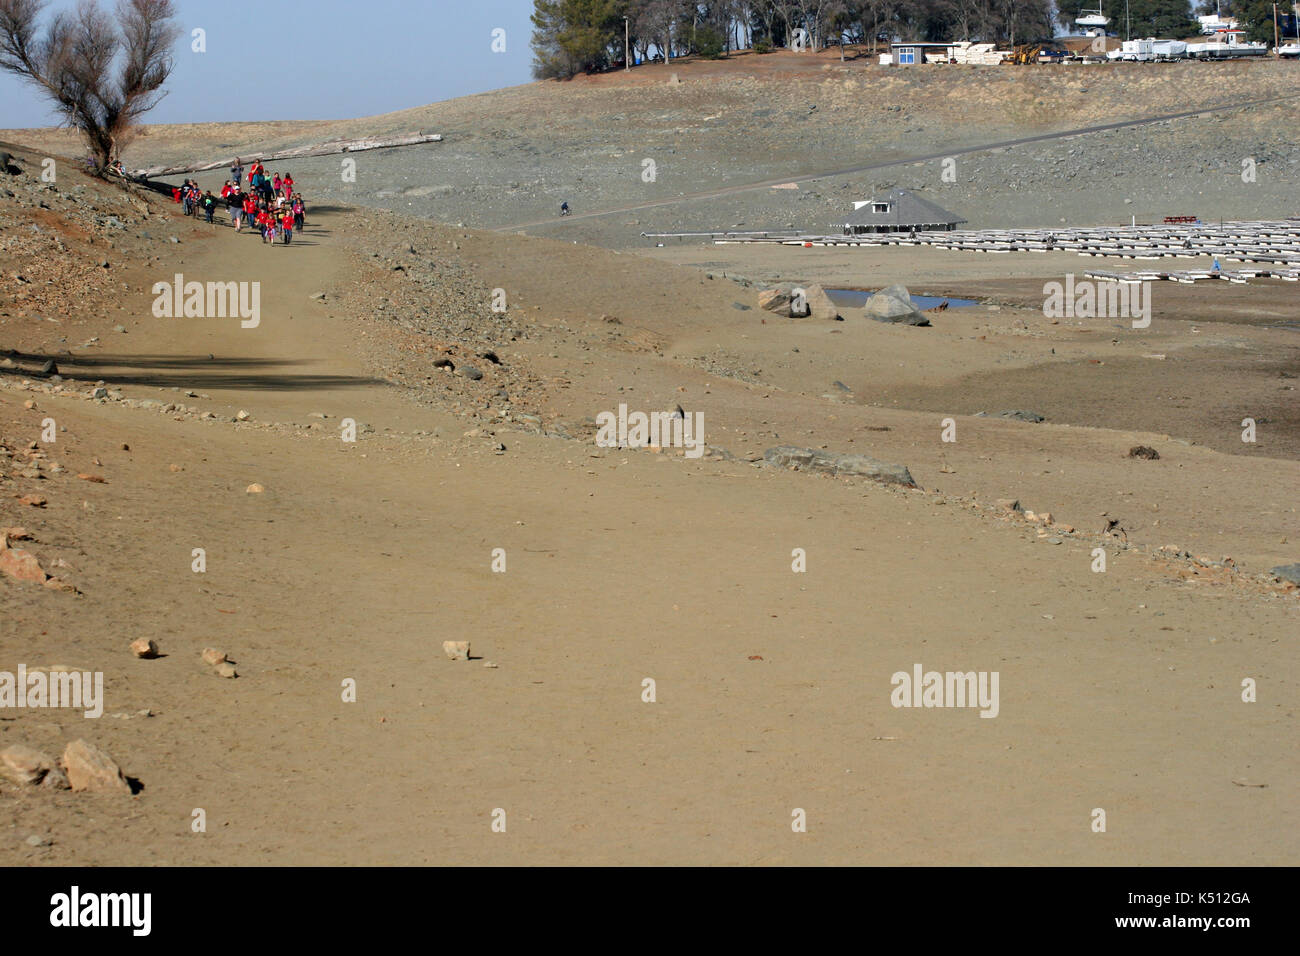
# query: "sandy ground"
{"type": "Point", "coordinates": [1119, 690]}
{"type": "Point", "coordinates": [1215, 353]}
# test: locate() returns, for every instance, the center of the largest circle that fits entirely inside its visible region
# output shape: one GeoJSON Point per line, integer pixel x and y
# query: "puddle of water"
{"type": "Point", "coordinates": [852, 297]}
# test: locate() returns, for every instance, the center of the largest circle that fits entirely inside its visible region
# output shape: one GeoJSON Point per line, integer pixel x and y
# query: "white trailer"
{"type": "Point", "coordinates": [1134, 51]}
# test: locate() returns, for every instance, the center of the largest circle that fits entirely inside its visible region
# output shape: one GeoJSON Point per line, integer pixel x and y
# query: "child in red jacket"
{"type": "Point", "coordinates": [267, 222]}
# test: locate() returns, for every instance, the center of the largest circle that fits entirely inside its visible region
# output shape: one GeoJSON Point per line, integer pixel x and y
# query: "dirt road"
{"type": "Point", "coordinates": [1118, 690]}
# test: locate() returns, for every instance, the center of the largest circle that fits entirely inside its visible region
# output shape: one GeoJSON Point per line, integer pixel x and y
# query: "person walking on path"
{"type": "Point", "coordinates": [265, 224]}
{"type": "Point", "coordinates": [235, 206]}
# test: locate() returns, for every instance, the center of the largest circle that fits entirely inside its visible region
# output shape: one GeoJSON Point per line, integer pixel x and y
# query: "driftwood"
{"type": "Point", "coordinates": [318, 149]}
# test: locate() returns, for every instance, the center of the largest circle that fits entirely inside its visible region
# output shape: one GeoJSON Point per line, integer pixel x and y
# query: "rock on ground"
{"type": "Point", "coordinates": [894, 305]}
{"type": "Point", "coordinates": [1287, 572]}
{"type": "Point", "coordinates": [820, 305]}
{"type": "Point", "coordinates": [863, 466]}
{"type": "Point", "coordinates": [19, 564]}
{"type": "Point", "coordinates": [28, 767]}
{"type": "Point", "coordinates": [785, 301]}
{"type": "Point", "coordinates": [89, 768]}
{"type": "Point", "coordinates": [777, 301]}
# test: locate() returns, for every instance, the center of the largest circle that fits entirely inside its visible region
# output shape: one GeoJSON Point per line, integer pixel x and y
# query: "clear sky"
{"type": "Point", "coordinates": [320, 59]}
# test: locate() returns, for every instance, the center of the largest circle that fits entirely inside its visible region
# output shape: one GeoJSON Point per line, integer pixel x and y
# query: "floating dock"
{"type": "Point", "coordinates": [1273, 245]}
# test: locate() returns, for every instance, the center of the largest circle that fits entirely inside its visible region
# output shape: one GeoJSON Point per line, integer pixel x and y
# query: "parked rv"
{"type": "Point", "coordinates": [1149, 50]}
{"type": "Point", "coordinates": [1134, 51]}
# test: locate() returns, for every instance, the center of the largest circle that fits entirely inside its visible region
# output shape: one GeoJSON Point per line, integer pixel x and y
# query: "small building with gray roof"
{"type": "Point", "coordinates": [899, 211]}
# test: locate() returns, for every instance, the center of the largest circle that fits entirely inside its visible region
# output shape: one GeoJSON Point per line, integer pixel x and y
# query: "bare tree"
{"type": "Point", "coordinates": [102, 75]}
{"type": "Point", "coordinates": [766, 15]}
{"type": "Point", "coordinates": [813, 13]}
{"type": "Point", "coordinates": [791, 17]}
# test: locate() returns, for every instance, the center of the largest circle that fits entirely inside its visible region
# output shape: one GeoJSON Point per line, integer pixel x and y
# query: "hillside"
{"type": "Point", "coordinates": [512, 156]}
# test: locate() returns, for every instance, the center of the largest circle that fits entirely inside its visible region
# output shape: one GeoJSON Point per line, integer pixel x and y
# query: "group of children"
{"type": "Point", "coordinates": [270, 205]}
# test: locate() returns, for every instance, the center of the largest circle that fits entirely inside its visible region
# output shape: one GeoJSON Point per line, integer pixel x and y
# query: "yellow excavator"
{"type": "Point", "coordinates": [1025, 53]}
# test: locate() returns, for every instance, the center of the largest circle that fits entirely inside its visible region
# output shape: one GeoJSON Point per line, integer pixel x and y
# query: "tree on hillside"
{"type": "Point", "coordinates": [102, 75]}
{"type": "Point", "coordinates": [652, 24]}
{"type": "Point", "coordinates": [1257, 19]}
{"type": "Point", "coordinates": [574, 36]}
{"type": "Point", "coordinates": [1150, 18]}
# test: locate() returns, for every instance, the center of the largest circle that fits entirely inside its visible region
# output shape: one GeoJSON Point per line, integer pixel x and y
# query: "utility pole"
{"type": "Point", "coordinates": [1275, 43]}
{"type": "Point", "coordinates": [627, 53]}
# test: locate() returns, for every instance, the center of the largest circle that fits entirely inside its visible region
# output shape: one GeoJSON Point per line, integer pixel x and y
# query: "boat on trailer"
{"type": "Point", "coordinates": [1226, 44]}
{"type": "Point", "coordinates": [1092, 23]}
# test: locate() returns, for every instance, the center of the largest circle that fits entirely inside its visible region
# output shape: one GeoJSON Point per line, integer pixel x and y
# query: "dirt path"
{"type": "Point", "coordinates": [1118, 690]}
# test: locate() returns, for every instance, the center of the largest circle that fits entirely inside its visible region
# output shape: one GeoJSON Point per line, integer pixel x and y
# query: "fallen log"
{"type": "Point", "coordinates": [297, 152]}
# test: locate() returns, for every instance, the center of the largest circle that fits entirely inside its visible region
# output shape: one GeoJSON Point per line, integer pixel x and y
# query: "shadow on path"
{"type": "Point", "coordinates": [198, 371]}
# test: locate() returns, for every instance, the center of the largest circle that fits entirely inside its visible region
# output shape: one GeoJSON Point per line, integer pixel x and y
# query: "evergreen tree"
{"type": "Point", "coordinates": [1257, 19]}
{"type": "Point", "coordinates": [1150, 18]}
{"type": "Point", "coordinates": [572, 36]}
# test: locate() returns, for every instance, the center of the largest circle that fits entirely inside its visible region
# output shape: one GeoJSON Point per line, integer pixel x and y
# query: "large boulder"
{"type": "Point", "coordinates": [1287, 572]}
{"type": "Point", "coordinates": [894, 305]}
{"type": "Point", "coordinates": [89, 768]}
{"type": "Point", "coordinates": [861, 466]}
{"type": "Point", "coordinates": [798, 302]}
{"type": "Point", "coordinates": [18, 563]}
{"type": "Point", "coordinates": [29, 768]}
{"type": "Point", "coordinates": [777, 301]}
{"type": "Point", "coordinates": [819, 303]}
